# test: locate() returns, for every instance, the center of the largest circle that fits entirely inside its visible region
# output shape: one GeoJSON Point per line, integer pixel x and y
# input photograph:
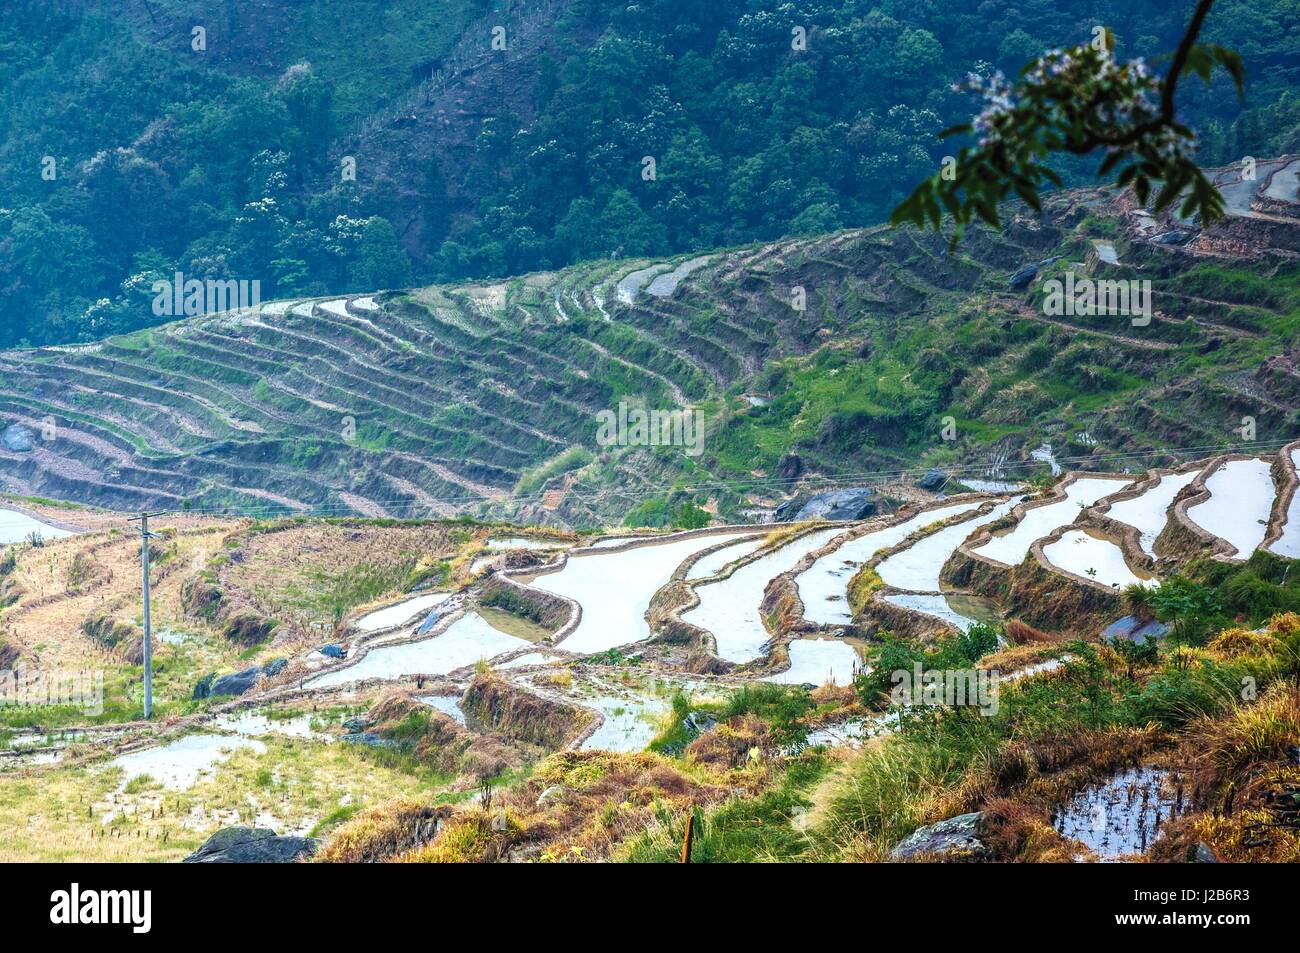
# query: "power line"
{"type": "Point", "coordinates": [982, 469]}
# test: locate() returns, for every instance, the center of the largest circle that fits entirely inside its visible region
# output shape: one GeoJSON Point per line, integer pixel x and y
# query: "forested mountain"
{"type": "Point", "coordinates": [147, 136]}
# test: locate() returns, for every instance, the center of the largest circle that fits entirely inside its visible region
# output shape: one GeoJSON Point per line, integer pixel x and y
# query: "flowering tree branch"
{"type": "Point", "coordinates": [1076, 101]}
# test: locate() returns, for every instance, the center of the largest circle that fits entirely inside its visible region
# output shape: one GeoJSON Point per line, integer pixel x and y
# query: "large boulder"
{"type": "Point", "coordinates": [854, 503]}
{"type": "Point", "coordinates": [1132, 629]}
{"type": "Point", "coordinates": [252, 845]}
{"type": "Point", "coordinates": [370, 739]}
{"type": "Point", "coordinates": [933, 479]}
{"type": "Point", "coordinates": [236, 684]}
{"type": "Point", "coordinates": [275, 667]}
{"type": "Point", "coordinates": [17, 439]}
{"type": "Point", "coordinates": [1024, 277]}
{"type": "Point", "coordinates": [203, 688]}
{"type": "Point", "coordinates": [956, 839]}
{"type": "Point", "coordinates": [699, 722]}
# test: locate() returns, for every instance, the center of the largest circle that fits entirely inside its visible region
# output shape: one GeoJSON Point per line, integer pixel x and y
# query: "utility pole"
{"type": "Point", "coordinates": [145, 536]}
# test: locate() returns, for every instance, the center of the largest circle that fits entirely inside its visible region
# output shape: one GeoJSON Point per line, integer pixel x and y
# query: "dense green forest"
{"type": "Point", "coordinates": [128, 155]}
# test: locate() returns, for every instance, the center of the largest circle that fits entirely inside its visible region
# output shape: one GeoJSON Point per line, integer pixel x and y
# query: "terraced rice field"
{"type": "Point", "coordinates": [917, 568]}
{"type": "Point", "coordinates": [466, 641]}
{"type": "Point", "coordinates": [404, 611]}
{"type": "Point", "coordinates": [823, 586]}
{"type": "Point", "coordinates": [438, 401]}
{"type": "Point", "coordinates": [1011, 548]}
{"type": "Point", "coordinates": [16, 527]}
{"type": "Point", "coordinates": [730, 608]}
{"type": "Point", "coordinates": [1241, 498]}
{"type": "Point", "coordinates": [1288, 544]}
{"type": "Point", "coordinates": [819, 662]}
{"type": "Point", "coordinates": [179, 764]}
{"type": "Point", "coordinates": [1149, 511]}
{"type": "Point", "coordinates": [1124, 814]}
{"type": "Point", "coordinates": [711, 564]}
{"type": "Point", "coordinates": [615, 589]}
{"type": "Point", "coordinates": [1086, 554]}
{"type": "Point", "coordinates": [933, 604]}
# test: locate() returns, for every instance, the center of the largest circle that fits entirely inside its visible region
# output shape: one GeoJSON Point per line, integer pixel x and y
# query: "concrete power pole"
{"type": "Point", "coordinates": [145, 536]}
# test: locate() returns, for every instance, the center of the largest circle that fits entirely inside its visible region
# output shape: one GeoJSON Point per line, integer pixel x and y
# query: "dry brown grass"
{"type": "Point", "coordinates": [1235, 643]}
{"type": "Point", "coordinates": [1246, 783]}
{"type": "Point", "coordinates": [436, 740]}
{"type": "Point", "coordinates": [1022, 633]}
{"type": "Point", "coordinates": [287, 571]}
{"type": "Point", "coordinates": [1285, 623]}
{"type": "Point", "coordinates": [380, 833]}
{"type": "Point", "coordinates": [1020, 832]}
{"type": "Point", "coordinates": [1046, 771]}
{"type": "Point", "coordinates": [1011, 658]}
{"type": "Point", "coordinates": [523, 715]}
{"type": "Point", "coordinates": [1232, 754]}
{"type": "Point", "coordinates": [595, 800]}
{"type": "Point", "coordinates": [733, 744]}
{"type": "Point", "coordinates": [70, 580]}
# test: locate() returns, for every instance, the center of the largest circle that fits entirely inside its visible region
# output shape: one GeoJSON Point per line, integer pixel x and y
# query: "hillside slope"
{"type": "Point", "coordinates": [450, 398]}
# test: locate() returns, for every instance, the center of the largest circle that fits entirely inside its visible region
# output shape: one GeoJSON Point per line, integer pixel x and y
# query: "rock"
{"type": "Point", "coordinates": [17, 439]}
{"type": "Point", "coordinates": [854, 503]}
{"type": "Point", "coordinates": [933, 479]}
{"type": "Point", "coordinates": [275, 667]}
{"type": "Point", "coordinates": [333, 651]}
{"type": "Point", "coordinates": [354, 725]}
{"type": "Point", "coordinates": [1175, 237]}
{"type": "Point", "coordinates": [252, 845]}
{"type": "Point", "coordinates": [1201, 854]}
{"type": "Point", "coordinates": [369, 739]}
{"type": "Point", "coordinates": [784, 513]}
{"type": "Point", "coordinates": [204, 687]}
{"type": "Point", "coordinates": [1025, 276]}
{"type": "Point", "coordinates": [551, 792]}
{"type": "Point", "coordinates": [237, 683]}
{"type": "Point", "coordinates": [957, 838]}
{"type": "Point", "coordinates": [700, 722]}
{"type": "Point", "coordinates": [1132, 629]}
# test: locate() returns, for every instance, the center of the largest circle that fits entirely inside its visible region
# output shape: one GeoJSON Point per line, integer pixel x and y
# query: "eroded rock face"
{"type": "Point", "coordinates": [956, 839]}
{"type": "Point", "coordinates": [252, 845]}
